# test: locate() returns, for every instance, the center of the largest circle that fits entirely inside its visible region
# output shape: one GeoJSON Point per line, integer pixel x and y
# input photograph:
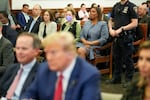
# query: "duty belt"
{"type": "Point", "coordinates": [125, 33]}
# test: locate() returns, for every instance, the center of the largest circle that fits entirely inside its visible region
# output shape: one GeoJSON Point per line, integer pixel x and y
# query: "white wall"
{"type": "Point", "coordinates": [17, 4]}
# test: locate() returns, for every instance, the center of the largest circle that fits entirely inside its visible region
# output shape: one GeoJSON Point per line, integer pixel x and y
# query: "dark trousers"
{"type": "Point", "coordinates": [122, 52]}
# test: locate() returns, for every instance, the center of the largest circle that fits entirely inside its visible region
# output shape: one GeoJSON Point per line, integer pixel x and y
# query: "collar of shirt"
{"type": "Point", "coordinates": [24, 13]}
{"type": "Point", "coordinates": [66, 76]}
{"type": "Point", "coordinates": [1, 35]}
{"type": "Point", "coordinates": [28, 67]}
{"type": "Point", "coordinates": [26, 70]}
{"type": "Point", "coordinates": [35, 19]}
{"type": "Point", "coordinates": [67, 72]}
{"type": "Point", "coordinates": [6, 24]}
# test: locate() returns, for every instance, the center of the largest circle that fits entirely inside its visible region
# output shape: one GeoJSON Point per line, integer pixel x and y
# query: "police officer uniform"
{"type": "Point", "coordinates": [122, 45]}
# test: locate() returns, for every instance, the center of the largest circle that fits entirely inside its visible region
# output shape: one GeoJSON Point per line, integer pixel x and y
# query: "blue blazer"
{"type": "Point", "coordinates": [21, 20]}
{"type": "Point", "coordinates": [84, 83]}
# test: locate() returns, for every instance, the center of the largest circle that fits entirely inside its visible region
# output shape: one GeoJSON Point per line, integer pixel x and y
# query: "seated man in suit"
{"type": "Point", "coordinates": [64, 76]}
{"type": "Point", "coordinates": [33, 23]}
{"type": "Point", "coordinates": [23, 16]}
{"type": "Point", "coordinates": [6, 52]}
{"type": "Point", "coordinates": [19, 76]}
{"type": "Point", "coordinates": [7, 31]}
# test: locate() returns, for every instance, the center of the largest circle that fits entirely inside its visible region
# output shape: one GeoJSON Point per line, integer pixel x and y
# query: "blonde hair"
{"type": "Point", "coordinates": [64, 38]}
{"type": "Point", "coordinates": [145, 45]}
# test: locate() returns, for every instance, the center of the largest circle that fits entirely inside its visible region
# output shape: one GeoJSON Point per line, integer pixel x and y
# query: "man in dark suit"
{"type": "Point", "coordinates": [27, 49]}
{"type": "Point", "coordinates": [7, 31]}
{"type": "Point", "coordinates": [34, 22]}
{"type": "Point", "coordinates": [6, 52]}
{"type": "Point", "coordinates": [64, 75]}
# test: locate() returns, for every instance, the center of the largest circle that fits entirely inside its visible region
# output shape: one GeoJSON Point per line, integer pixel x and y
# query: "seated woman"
{"type": "Point", "coordinates": [139, 89]}
{"type": "Point", "coordinates": [71, 24]}
{"type": "Point", "coordinates": [94, 34]}
{"type": "Point", "coordinates": [48, 26]}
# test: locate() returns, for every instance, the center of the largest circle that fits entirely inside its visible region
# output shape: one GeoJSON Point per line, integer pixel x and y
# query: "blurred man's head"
{"type": "Point", "coordinates": [60, 50]}
{"type": "Point", "coordinates": [25, 8]}
{"type": "Point", "coordinates": [142, 10]}
{"type": "Point", "coordinates": [27, 47]}
{"type": "Point", "coordinates": [4, 17]}
{"type": "Point", "coordinates": [36, 11]}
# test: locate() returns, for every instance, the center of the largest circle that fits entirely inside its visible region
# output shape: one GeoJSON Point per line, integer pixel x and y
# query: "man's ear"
{"type": "Point", "coordinates": [37, 52]}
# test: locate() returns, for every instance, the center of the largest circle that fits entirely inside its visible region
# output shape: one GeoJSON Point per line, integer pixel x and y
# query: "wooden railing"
{"type": "Point", "coordinates": [106, 10]}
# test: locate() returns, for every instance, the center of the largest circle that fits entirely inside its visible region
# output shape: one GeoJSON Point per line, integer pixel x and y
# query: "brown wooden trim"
{"type": "Point", "coordinates": [106, 10]}
{"type": "Point", "coordinates": [10, 3]}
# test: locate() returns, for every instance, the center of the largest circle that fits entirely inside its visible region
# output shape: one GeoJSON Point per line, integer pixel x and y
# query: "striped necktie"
{"type": "Point", "coordinates": [13, 86]}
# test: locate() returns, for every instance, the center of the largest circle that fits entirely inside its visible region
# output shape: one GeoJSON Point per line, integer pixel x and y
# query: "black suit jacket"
{"type": "Point", "coordinates": [35, 28]}
{"type": "Point", "coordinates": [10, 74]}
{"type": "Point", "coordinates": [6, 54]}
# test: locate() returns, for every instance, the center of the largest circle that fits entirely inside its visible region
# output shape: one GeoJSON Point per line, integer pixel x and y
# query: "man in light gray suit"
{"type": "Point", "coordinates": [6, 52]}
{"type": "Point", "coordinates": [5, 7]}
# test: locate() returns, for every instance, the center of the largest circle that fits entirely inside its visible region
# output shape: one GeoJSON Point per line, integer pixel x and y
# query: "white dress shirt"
{"type": "Point", "coordinates": [66, 76]}
{"type": "Point", "coordinates": [26, 16]}
{"type": "Point", "coordinates": [26, 70]}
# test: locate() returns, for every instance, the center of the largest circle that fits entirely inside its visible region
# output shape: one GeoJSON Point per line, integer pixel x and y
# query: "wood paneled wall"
{"type": "Point", "coordinates": [106, 10]}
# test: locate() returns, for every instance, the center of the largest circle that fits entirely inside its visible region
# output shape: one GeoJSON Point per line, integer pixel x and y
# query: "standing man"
{"type": "Point", "coordinates": [6, 52]}
{"type": "Point", "coordinates": [123, 20]}
{"type": "Point", "coordinates": [64, 76]}
{"type": "Point", "coordinates": [5, 7]}
{"type": "Point", "coordinates": [33, 24]}
{"type": "Point", "coordinates": [20, 75]}
{"type": "Point", "coordinates": [7, 31]}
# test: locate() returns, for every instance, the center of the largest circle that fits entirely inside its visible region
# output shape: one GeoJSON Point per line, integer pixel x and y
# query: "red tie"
{"type": "Point", "coordinates": [59, 89]}
{"type": "Point", "coordinates": [13, 86]}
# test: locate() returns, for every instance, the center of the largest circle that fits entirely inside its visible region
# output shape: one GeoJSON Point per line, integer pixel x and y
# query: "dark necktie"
{"type": "Point", "coordinates": [59, 88]}
{"type": "Point", "coordinates": [44, 32]}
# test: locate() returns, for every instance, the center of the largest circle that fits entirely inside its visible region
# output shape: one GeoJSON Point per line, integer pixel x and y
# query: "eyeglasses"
{"type": "Point", "coordinates": [36, 9]}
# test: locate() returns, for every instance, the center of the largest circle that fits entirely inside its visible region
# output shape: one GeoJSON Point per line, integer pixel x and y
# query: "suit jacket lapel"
{"type": "Point", "coordinates": [17, 67]}
{"type": "Point", "coordinates": [36, 25]}
{"type": "Point", "coordinates": [30, 77]}
{"type": "Point", "coordinates": [52, 81]}
{"type": "Point", "coordinates": [73, 81]}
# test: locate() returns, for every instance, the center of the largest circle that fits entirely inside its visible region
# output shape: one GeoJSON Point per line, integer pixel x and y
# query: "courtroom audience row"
{"type": "Point", "coordinates": [64, 53]}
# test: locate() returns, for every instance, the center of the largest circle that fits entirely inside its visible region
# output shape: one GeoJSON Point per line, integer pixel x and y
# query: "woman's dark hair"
{"type": "Point", "coordinates": [93, 5]}
{"type": "Point", "coordinates": [50, 14]}
{"type": "Point", "coordinates": [98, 10]}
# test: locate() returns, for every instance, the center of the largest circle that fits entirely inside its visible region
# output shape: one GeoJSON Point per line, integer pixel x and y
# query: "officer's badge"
{"type": "Point", "coordinates": [125, 10]}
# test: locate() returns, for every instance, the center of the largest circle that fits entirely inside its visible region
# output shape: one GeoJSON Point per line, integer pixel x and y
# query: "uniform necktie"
{"type": "Point", "coordinates": [59, 88]}
{"type": "Point", "coordinates": [44, 32]}
{"type": "Point", "coordinates": [13, 86]}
